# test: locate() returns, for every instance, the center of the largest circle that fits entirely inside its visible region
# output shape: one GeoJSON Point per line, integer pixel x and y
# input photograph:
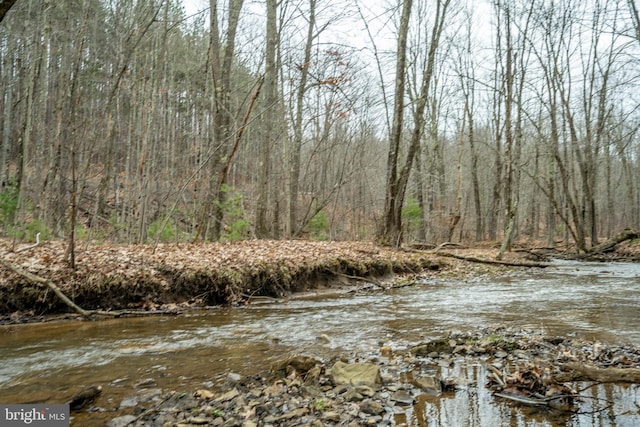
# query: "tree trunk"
{"type": "Point", "coordinates": [390, 232]}
{"type": "Point", "coordinates": [262, 228]}
{"type": "Point", "coordinates": [220, 67]}
{"type": "Point", "coordinates": [294, 169]}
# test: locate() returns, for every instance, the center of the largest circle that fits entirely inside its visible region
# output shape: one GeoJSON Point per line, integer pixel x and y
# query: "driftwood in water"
{"type": "Point", "coordinates": [610, 244]}
{"type": "Point", "coordinates": [491, 261]}
{"type": "Point", "coordinates": [582, 372]}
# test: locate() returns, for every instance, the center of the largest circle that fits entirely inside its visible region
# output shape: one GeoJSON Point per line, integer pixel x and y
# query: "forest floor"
{"type": "Point", "coordinates": [168, 278]}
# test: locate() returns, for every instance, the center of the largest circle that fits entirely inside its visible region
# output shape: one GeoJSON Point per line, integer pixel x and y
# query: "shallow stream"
{"type": "Point", "coordinates": [49, 362]}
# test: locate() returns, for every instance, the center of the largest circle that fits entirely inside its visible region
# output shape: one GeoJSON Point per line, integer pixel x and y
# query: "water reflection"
{"type": "Point", "coordinates": [603, 405]}
{"type": "Point", "coordinates": [49, 362]}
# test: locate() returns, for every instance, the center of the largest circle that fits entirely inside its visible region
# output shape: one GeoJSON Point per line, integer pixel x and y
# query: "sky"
{"type": "Point", "coordinates": [194, 6]}
{"type": "Point", "coordinates": [353, 32]}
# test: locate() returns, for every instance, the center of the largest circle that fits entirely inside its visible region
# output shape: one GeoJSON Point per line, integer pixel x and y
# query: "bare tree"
{"type": "Point", "coordinates": [262, 228]}
{"type": "Point", "coordinates": [391, 229]}
{"type": "Point", "coordinates": [221, 55]}
{"type": "Point", "coordinates": [514, 71]}
{"type": "Point", "coordinates": [294, 168]}
{"type": "Point", "coordinates": [398, 173]}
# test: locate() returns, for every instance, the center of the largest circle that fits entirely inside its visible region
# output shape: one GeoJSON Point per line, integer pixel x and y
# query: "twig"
{"type": "Point", "coordinates": [26, 248]}
{"type": "Point", "coordinates": [363, 279]}
{"type": "Point", "coordinates": [524, 399]}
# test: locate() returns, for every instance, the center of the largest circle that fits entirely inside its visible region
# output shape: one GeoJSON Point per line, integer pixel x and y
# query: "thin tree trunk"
{"type": "Point", "coordinates": [391, 229]}
{"type": "Point", "coordinates": [294, 170]}
{"type": "Point", "coordinates": [262, 228]}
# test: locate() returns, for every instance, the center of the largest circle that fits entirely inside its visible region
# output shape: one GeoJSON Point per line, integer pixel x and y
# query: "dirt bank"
{"type": "Point", "coordinates": [114, 277]}
{"type": "Point", "coordinates": [170, 277]}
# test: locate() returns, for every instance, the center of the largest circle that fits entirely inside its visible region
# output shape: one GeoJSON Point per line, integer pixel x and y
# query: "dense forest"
{"type": "Point", "coordinates": [400, 121]}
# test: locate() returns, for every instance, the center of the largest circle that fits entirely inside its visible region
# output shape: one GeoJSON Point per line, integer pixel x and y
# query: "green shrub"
{"type": "Point", "coordinates": [319, 226]}
{"type": "Point", "coordinates": [236, 226]}
{"type": "Point", "coordinates": [8, 203]}
{"type": "Point", "coordinates": [33, 228]}
{"type": "Point", "coordinates": [238, 230]}
{"type": "Point", "coordinates": [412, 215]}
{"type": "Point", "coordinates": [81, 233]}
{"type": "Point", "coordinates": [156, 232]}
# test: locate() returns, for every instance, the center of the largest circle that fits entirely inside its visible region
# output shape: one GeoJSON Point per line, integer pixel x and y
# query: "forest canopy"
{"type": "Point", "coordinates": [404, 121]}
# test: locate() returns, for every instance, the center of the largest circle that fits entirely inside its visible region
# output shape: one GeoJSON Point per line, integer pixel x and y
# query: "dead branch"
{"type": "Point", "coordinates": [582, 372]}
{"type": "Point", "coordinates": [491, 261]}
{"type": "Point", "coordinates": [359, 278]}
{"type": "Point", "coordinates": [527, 400]}
{"type": "Point", "coordinates": [26, 248]}
{"type": "Point", "coordinates": [82, 312]}
{"type": "Point", "coordinates": [610, 244]}
{"type": "Point", "coordinates": [449, 245]}
{"type": "Point", "coordinates": [42, 281]}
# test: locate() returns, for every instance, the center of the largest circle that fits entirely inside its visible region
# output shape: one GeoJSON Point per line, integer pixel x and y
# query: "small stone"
{"type": "Point", "coordinates": [386, 351]}
{"type": "Point", "coordinates": [203, 394]}
{"type": "Point", "coordinates": [233, 378]}
{"type": "Point", "coordinates": [296, 413]}
{"type": "Point", "coordinates": [365, 391]}
{"type": "Point", "coordinates": [402, 397]}
{"type": "Point", "coordinates": [269, 419]}
{"type": "Point", "coordinates": [355, 374]}
{"type": "Point", "coordinates": [141, 396]}
{"type": "Point", "coordinates": [352, 396]}
{"type": "Point", "coordinates": [313, 374]}
{"type": "Point", "coordinates": [147, 382]}
{"type": "Point", "coordinates": [455, 383]}
{"type": "Point", "coordinates": [324, 338]}
{"type": "Point", "coordinates": [331, 416]}
{"type": "Point", "coordinates": [123, 421]}
{"type": "Point", "coordinates": [228, 396]}
{"type": "Point", "coordinates": [429, 384]}
{"type": "Point", "coordinates": [371, 407]}
{"type": "Point", "coordinates": [198, 420]}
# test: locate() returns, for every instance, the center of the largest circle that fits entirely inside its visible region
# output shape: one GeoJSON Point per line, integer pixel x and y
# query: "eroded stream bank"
{"type": "Point", "coordinates": [594, 301]}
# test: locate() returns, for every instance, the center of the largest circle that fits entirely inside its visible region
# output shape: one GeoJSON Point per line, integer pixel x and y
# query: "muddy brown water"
{"type": "Point", "coordinates": [49, 362]}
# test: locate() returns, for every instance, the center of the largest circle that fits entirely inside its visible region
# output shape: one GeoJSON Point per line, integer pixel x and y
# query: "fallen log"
{"type": "Point", "coordinates": [82, 312]}
{"type": "Point", "coordinates": [582, 372]}
{"type": "Point", "coordinates": [492, 261]}
{"type": "Point", "coordinates": [610, 244]}
{"type": "Point", "coordinates": [42, 281]}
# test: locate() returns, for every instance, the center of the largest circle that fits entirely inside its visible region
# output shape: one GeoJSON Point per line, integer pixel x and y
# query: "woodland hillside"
{"type": "Point", "coordinates": [401, 121]}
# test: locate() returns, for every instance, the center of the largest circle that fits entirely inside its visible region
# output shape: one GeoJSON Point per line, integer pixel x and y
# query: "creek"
{"type": "Point", "coordinates": [48, 362]}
